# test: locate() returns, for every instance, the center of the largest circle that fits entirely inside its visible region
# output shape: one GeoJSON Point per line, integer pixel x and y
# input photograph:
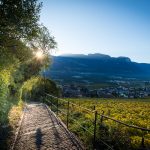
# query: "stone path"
{"type": "Point", "coordinates": [41, 130]}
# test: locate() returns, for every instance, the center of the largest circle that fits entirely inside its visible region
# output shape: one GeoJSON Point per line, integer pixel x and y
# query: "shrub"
{"type": "Point", "coordinates": [4, 91]}
{"type": "Point", "coordinates": [35, 88]}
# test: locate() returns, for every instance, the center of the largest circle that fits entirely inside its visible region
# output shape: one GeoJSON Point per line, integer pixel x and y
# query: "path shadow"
{"type": "Point", "coordinates": [56, 133]}
{"type": "Point", "coordinates": [6, 137]}
{"type": "Point", "coordinates": [38, 138]}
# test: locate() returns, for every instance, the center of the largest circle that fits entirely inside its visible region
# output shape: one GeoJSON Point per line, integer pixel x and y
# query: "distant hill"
{"type": "Point", "coordinates": [96, 68]}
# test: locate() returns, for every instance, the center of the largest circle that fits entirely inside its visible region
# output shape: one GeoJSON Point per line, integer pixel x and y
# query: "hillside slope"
{"type": "Point", "coordinates": [96, 67]}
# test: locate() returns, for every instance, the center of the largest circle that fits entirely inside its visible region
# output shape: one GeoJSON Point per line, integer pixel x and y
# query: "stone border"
{"type": "Point", "coordinates": [77, 142]}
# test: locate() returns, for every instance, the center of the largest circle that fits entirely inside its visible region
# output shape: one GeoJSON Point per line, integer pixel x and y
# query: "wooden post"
{"type": "Point", "coordinates": [102, 117]}
{"type": "Point", "coordinates": [142, 142]}
{"type": "Point", "coordinates": [94, 107]}
{"type": "Point", "coordinates": [95, 122]}
{"type": "Point", "coordinates": [51, 104]}
{"type": "Point", "coordinates": [57, 106]}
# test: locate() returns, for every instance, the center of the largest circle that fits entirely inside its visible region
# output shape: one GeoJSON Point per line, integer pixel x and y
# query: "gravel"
{"type": "Point", "coordinates": [42, 130]}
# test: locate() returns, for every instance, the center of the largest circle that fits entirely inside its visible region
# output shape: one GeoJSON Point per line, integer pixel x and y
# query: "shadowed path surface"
{"type": "Point", "coordinates": [41, 130]}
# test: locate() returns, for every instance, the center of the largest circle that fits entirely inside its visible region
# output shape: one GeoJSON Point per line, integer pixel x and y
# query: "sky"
{"type": "Point", "coordinates": [113, 27]}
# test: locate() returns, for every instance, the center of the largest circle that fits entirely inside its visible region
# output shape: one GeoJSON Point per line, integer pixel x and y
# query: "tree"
{"type": "Point", "coordinates": [43, 41]}
{"type": "Point", "coordinates": [18, 22]}
{"type": "Point", "coordinates": [19, 19]}
{"type": "Point", "coordinates": [21, 36]}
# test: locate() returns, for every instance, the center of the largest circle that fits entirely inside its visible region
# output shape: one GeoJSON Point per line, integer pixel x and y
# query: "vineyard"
{"type": "Point", "coordinates": [109, 134]}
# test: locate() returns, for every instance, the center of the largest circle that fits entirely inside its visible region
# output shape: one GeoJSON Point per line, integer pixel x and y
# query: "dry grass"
{"type": "Point", "coordinates": [15, 114]}
{"type": "Point", "coordinates": [8, 131]}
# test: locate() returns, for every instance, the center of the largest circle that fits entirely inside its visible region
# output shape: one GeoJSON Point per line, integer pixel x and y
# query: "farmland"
{"type": "Point", "coordinates": [136, 112]}
{"type": "Point", "coordinates": [116, 135]}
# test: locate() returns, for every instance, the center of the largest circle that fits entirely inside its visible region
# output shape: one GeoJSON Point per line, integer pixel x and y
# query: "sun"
{"type": "Point", "coordinates": [39, 55]}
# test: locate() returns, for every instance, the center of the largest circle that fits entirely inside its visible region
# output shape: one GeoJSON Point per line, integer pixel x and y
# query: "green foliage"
{"type": "Point", "coordinates": [43, 41]}
{"type": "Point", "coordinates": [19, 19]}
{"type": "Point", "coordinates": [6, 59]}
{"type": "Point", "coordinates": [5, 79]}
{"type": "Point", "coordinates": [21, 36]}
{"type": "Point", "coordinates": [3, 95]}
{"type": "Point", "coordinates": [19, 31]}
{"type": "Point", "coordinates": [36, 87]}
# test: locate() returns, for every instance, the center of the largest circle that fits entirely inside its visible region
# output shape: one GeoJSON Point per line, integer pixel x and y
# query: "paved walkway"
{"type": "Point", "coordinates": [41, 130]}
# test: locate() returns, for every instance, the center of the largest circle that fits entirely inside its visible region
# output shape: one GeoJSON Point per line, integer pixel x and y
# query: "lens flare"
{"type": "Point", "coordinates": [39, 55]}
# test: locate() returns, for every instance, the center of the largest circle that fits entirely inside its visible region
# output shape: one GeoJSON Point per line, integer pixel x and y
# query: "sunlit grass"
{"type": "Point", "coordinates": [15, 114]}
{"type": "Point", "coordinates": [133, 112]}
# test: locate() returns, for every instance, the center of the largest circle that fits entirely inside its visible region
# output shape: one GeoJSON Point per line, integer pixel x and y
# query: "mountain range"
{"type": "Point", "coordinates": [96, 68]}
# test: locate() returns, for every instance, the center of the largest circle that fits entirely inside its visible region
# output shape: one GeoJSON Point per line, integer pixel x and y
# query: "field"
{"type": "Point", "coordinates": [108, 132]}
{"type": "Point", "coordinates": [136, 112]}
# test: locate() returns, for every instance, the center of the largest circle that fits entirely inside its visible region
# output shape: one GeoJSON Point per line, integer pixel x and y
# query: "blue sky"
{"type": "Point", "coordinates": [113, 27]}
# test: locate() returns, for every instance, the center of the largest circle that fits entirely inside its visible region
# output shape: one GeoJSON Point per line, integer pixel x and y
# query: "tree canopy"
{"type": "Point", "coordinates": [19, 19]}
{"type": "Point", "coordinates": [21, 37]}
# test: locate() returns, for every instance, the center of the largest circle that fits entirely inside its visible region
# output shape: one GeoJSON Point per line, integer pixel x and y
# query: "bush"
{"type": "Point", "coordinates": [35, 88]}
{"type": "Point", "coordinates": [4, 91]}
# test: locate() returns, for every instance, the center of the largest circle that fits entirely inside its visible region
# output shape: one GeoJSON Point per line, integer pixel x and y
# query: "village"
{"type": "Point", "coordinates": [106, 92]}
